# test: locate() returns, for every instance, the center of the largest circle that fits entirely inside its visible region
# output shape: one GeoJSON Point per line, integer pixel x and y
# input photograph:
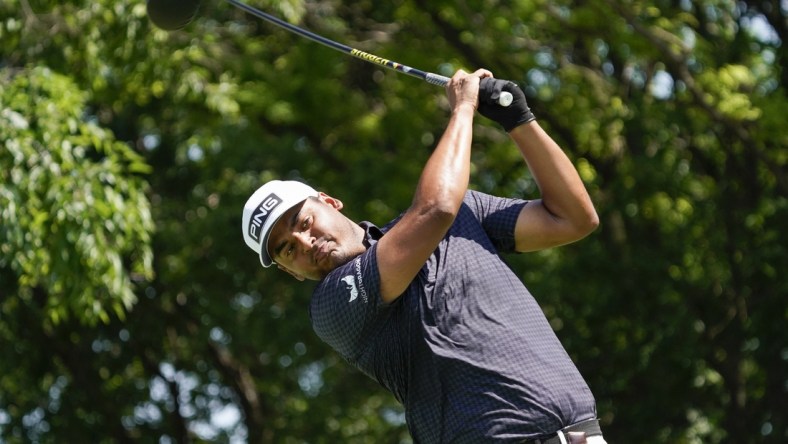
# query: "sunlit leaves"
{"type": "Point", "coordinates": [76, 221]}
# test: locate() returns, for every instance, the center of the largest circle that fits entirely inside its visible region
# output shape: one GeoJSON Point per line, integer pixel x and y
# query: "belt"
{"type": "Point", "coordinates": [574, 433]}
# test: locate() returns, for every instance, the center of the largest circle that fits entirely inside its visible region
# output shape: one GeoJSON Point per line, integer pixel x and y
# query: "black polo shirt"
{"type": "Point", "coordinates": [466, 349]}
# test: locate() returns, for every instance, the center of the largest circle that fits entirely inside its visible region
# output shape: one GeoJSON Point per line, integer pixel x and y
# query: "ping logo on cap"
{"type": "Point", "coordinates": [260, 215]}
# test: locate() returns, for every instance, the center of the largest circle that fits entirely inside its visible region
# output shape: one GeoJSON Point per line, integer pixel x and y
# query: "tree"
{"type": "Point", "coordinates": [75, 240]}
{"type": "Point", "coordinates": [673, 112]}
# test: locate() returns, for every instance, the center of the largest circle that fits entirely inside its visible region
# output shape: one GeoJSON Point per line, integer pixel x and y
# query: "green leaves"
{"type": "Point", "coordinates": [76, 221]}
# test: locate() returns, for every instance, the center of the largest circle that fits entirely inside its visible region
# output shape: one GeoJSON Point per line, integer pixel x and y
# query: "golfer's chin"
{"type": "Point", "coordinates": [334, 260]}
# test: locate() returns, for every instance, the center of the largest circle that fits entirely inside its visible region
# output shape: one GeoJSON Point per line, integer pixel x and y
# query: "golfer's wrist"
{"type": "Point", "coordinates": [464, 108]}
{"type": "Point", "coordinates": [520, 127]}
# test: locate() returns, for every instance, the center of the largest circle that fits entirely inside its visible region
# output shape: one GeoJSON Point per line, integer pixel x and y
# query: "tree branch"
{"type": "Point", "coordinates": [676, 61]}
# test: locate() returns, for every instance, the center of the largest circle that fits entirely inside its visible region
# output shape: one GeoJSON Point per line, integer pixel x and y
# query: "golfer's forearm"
{"type": "Point", "coordinates": [444, 181]}
{"type": "Point", "coordinates": [403, 250]}
{"type": "Point", "coordinates": [563, 193]}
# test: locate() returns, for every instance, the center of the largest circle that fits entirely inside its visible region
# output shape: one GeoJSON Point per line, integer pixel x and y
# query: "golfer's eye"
{"type": "Point", "coordinates": [305, 223]}
{"type": "Point", "coordinates": [289, 250]}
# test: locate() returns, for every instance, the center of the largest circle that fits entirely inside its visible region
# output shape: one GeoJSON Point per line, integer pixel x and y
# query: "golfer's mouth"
{"type": "Point", "coordinates": [321, 252]}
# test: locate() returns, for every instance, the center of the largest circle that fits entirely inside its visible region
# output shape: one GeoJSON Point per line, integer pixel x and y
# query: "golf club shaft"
{"type": "Point", "coordinates": [429, 77]}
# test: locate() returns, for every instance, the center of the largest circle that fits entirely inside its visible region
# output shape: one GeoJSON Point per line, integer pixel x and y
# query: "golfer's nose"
{"type": "Point", "coordinates": [304, 240]}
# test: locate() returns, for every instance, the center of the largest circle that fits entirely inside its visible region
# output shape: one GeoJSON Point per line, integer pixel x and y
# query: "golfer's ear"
{"type": "Point", "coordinates": [333, 201]}
{"type": "Point", "coordinates": [295, 275]}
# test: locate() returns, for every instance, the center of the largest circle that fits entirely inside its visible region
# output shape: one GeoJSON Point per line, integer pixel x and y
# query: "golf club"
{"type": "Point", "coordinates": [175, 14]}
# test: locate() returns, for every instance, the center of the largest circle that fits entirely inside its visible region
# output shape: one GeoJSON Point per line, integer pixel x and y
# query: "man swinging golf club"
{"type": "Point", "coordinates": [425, 305]}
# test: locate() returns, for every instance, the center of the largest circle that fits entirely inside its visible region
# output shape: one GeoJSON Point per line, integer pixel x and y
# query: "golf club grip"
{"type": "Point", "coordinates": [436, 79]}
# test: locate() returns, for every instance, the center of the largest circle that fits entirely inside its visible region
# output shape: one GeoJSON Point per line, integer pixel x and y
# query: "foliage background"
{"type": "Point", "coordinates": [130, 309]}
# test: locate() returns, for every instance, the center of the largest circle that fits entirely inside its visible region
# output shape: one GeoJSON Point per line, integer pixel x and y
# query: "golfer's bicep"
{"type": "Point", "coordinates": [537, 229]}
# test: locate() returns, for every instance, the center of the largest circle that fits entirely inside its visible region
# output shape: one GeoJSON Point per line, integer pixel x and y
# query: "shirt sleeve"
{"type": "Point", "coordinates": [498, 216]}
{"type": "Point", "coordinates": [346, 304]}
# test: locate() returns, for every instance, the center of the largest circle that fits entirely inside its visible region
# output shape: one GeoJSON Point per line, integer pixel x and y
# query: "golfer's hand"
{"type": "Point", "coordinates": [463, 88]}
{"type": "Point", "coordinates": [508, 117]}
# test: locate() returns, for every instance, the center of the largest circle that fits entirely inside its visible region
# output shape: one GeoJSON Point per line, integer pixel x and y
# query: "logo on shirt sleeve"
{"type": "Point", "coordinates": [351, 286]}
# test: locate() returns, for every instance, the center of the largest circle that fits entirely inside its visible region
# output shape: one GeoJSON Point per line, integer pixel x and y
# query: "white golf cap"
{"type": "Point", "coordinates": [265, 207]}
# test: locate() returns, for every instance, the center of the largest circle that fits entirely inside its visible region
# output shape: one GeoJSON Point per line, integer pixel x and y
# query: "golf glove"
{"type": "Point", "coordinates": [508, 117]}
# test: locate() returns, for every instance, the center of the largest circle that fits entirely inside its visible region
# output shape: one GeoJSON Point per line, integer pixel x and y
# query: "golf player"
{"type": "Point", "coordinates": [425, 305]}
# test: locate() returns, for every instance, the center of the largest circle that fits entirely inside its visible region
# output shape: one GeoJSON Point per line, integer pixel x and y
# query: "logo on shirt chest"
{"type": "Point", "coordinates": [351, 286]}
{"type": "Point", "coordinates": [355, 284]}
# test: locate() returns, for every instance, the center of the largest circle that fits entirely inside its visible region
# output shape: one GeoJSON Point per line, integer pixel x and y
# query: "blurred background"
{"type": "Point", "coordinates": [132, 311]}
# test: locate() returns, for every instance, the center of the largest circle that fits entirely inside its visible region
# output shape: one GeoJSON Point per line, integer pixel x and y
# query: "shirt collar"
{"type": "Point", "coordinates": [371, 233]}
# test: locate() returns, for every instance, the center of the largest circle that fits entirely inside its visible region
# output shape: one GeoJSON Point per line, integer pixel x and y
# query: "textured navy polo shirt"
{"type": "Point", "coordinates": [466, 349]}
